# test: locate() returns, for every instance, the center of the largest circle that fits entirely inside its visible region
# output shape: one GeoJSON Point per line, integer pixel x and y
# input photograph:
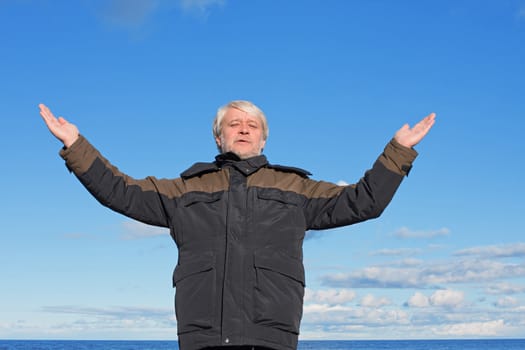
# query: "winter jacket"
{"type": "Point", "coordinates": [239, 226]}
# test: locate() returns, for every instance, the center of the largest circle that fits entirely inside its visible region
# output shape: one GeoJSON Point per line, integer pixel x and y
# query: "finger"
{"type": "Point", "coordinates": [431, 118]}
{"type": "Point", "coordinates": [426, 122]}
{"type": "Point", "coordinates": [44, 109]}
{"type": "Point", "coordinates": [428, 118]}
{"type": "Point", "coordinates": [425, 128]}
{"type": "Point", "coordinates": [46, 113]}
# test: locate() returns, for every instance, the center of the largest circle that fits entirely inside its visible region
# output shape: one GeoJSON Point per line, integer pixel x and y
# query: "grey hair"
{"type": "Point", "coordinates": [245, 106]}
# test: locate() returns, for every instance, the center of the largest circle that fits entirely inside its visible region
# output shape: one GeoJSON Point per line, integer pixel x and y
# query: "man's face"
{"type": "Point", "coordinates": [241, 133]}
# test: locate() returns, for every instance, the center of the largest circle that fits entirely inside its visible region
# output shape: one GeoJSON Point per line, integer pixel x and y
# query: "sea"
{"type": "Point", "coordinates": [471, 344]}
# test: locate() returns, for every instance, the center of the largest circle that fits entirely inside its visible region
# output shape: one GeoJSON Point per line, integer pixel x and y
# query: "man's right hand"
{"type": "Point", "coordinates": [61, 128]}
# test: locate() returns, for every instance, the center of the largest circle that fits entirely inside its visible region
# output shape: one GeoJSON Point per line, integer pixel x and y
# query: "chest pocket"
{"type": "Point", "coordinates": [278, 197]}
{"type": "Point", "coordinates": [198, 216]}
{"type": "Point", "coordinates": [195, 198]}
{"type": "Point", "coordinates": [279, 215]}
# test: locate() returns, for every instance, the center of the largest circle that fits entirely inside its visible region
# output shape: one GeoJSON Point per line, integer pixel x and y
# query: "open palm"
{"type": "Point", "coordinates": [59, 127]}
{"type": "Point", "coordinates": [409, 137]}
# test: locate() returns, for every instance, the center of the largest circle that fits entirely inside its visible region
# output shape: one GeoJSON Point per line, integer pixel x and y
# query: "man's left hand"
{"type": "Point", "coordinates": [409, 137]}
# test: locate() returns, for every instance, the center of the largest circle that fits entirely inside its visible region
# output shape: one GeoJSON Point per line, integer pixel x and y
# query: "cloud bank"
{"type": "Point", "coordinates": [137, 230]}
{"type": "Point", "coordinates": [134, 15]}
{"type": "Point", "coordinates": [471, 268]}
{"type": "Point", "coordinates": [405, 233]}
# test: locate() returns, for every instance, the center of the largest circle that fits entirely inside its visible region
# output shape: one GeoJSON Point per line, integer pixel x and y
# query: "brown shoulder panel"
{"type": "Point", "coordinates": [208, 182]}
{"type": "Point", "coordinates": [288, 181]}
{"type": "Point", "coordinates": [81, 156]}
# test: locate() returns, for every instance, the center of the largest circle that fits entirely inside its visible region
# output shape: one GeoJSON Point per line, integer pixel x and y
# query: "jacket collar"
{"type": "Point", "coordinates": [246, 166]}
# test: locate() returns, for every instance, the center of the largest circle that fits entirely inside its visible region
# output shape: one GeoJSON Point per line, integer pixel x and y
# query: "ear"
{"type": "Point", "coordinates": [263, 143]}
{"type": "Point", "coordinates": [218, 142]}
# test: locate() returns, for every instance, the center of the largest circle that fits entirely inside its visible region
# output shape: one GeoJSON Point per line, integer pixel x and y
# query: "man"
{"type": "Point", "coordinates": [239, 224]}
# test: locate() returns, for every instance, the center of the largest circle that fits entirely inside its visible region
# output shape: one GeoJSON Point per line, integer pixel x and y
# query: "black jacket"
{"type": "Point", "coordinates": [239, 226]}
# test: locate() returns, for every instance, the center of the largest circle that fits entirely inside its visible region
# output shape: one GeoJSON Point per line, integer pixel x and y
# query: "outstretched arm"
{"type": "Point", "coordinates": [409, 137]}
{"type": "Point", "coordinates": [59, 127]}
{"type": "Point", "coordinates": [136, 198]}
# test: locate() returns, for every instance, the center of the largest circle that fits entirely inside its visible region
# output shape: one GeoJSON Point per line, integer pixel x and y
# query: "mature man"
{"type": "Point", "coordinates": [239, 224]}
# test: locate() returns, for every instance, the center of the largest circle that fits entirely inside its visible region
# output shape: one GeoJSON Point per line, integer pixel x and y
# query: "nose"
{"type": "Point", "coordinates": [244, 129]}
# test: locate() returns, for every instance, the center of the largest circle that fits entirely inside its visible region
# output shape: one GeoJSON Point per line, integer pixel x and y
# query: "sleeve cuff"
{"type": "Point", "coordinates": [399, 158]}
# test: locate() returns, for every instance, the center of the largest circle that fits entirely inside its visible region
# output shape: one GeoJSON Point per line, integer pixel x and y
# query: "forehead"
{"type": "Point", "coordinates": [237, 114]}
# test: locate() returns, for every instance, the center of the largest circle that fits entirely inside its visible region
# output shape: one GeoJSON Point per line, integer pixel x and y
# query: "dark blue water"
{"type": "Point", "coordinates": [493, 344]}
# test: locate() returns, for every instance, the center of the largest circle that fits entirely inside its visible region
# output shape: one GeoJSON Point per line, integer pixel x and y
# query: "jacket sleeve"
{"type": "Point", "coordinates": [137, 199]}
{"type": "Point", "coordinates": [329, 205]}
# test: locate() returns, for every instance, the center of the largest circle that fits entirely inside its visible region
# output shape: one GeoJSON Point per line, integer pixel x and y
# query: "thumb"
{"type": "Point", "coordinates": [62, 121]}
{"type": "Point", "coordinates": [403, 129]}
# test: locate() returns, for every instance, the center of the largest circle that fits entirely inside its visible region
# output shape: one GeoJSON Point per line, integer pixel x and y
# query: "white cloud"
{"type": "Point", "coordinates": [123, 312]}
{"type": "Point", "coordinates": [405, 232]}
{"type": "Point", "coordinates": [371, 301]}
{"type": "Point", "coordinates": [330, 316]}
{"type": "Point", "coordinates": [201, 7]}
{"type": "Point", "coordinates": [410, 262]}
{"type": "Point", "coordinates": [312, 234]}
{"type": "Point", "coordinates": [418, 300]}
{"type": "Point", "coordinates": [375, 277]}
{"type": "Point", "coordinates": [86, 322]}
{"type": "Point", "coordinates": [495, 251]}
{"type": "Point", "coordinates": [505, 288]}
{"type": "Point", "coordinates": [342, 183]}
{"type": "Point", "coordinates": [134, 15]}
{"type": "Point", "coordinates": [128, 14]}
{"type": "Point", "coordinates": [326, 309]}
{"type": "Point", "coordinates": [329, 296]}
{"type": "Point", "coordinates": [330, 308]}
{"type": "Point", "coordinates": [489, 328]}
{"type": "Point", "coordinates": [396, 252]}
{"type": "Point", "coordinates": [136, 230]}
{"type": "Point", "coordinates": [521, 13]}
{"type": "Point", "coordinates": [447, 298]}
{"type": "Point", "coordinates": [507, 302]}
{"type": "Point", "coordinates": [426, 275]}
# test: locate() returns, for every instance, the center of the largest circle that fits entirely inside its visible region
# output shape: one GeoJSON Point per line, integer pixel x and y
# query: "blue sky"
{"type": "Point", "coordinates": [142, 81]}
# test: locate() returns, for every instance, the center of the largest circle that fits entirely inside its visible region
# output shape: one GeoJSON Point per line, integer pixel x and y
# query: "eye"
{"type": "Point", "coordinates": [253, 125]}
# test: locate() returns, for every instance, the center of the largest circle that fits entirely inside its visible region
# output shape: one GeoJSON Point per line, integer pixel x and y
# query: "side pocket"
{"type": "Point", "coordinates": [194, 280]}
{"type": "Point", "coordinates": [278, 291]}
